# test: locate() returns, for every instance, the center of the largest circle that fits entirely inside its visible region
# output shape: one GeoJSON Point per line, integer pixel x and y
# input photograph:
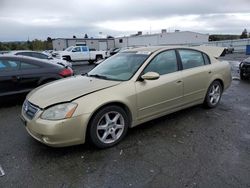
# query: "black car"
{"type": "Point", "coordinates": [19, 74]}
{"type": "Point", "coordinates": [245, 69]}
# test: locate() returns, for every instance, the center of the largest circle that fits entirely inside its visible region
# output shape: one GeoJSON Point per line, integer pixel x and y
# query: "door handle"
{"type": "Point", "coordinates": [179, 81]}
{"type": "Point", "coordinates": [209, 72]}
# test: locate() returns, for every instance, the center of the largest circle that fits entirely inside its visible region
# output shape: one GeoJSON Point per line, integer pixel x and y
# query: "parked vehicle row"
{"type": "Point", "coordinates": [124, 91]}
{"type": "Point", "coordinates": [20, 74]}
{"type": "Point", "coordinates": [41, 55]}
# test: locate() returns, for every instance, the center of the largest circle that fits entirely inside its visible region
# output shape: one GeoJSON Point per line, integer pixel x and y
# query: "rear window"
{"type": "Point", "coordinates": [191, 58]}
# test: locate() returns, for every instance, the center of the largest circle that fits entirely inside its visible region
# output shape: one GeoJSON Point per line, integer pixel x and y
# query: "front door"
{"type": "Point", "coordinates": [157, 97]}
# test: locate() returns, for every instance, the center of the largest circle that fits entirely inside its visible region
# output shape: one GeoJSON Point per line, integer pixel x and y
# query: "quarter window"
{"type": "Point", "coordinates": [163, 63]}
{"type": "Point", "coordinates": [206, 59]}
{"type": "Point", "coordinates": [191, 58]}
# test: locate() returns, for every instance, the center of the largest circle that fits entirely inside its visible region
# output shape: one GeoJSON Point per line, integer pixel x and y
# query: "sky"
{"type": "Point", "coordinates": [21, 20]}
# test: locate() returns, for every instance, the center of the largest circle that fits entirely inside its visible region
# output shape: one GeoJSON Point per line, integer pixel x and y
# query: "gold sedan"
{"type": "Point", "coordinates": [125, 90]}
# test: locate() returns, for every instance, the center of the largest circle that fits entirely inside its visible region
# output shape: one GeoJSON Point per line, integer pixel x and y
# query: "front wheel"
{"type": "Point", "coordinates": [108, 126]}
{"type": "Point", "coordinates": [213, 95]}
{"type": "Point", "coordinates": [98, 58]}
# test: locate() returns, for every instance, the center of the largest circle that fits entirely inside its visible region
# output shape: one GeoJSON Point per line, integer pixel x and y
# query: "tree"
{"type": "Point", "coordinates": [244, 34]}
{"type": "Point", "coordinates": [48, 44]}
{"type": "Point", "coordinates": [86, 36]}
{"type": "Point", "coordinates": [49, 39]}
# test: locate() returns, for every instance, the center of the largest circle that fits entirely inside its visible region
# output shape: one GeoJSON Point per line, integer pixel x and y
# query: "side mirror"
{"type": "Point", "coordinates": [73, 50]}
{"type": "Point", "coordinates": [150, 76]}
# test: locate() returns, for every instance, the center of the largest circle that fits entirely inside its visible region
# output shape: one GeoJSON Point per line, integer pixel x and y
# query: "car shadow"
{"type": "Point", "coordinates": [13, 100]}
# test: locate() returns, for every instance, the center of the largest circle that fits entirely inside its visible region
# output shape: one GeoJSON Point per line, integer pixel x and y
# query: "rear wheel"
{"type": "Point", "coordinates": [91, 62]}
{"type": "Point", "coordinates": [108, 126]}
{"type": "Point", "coordinates": [213, 95]}
{"type": "Point", "coordinates": [242, 76]}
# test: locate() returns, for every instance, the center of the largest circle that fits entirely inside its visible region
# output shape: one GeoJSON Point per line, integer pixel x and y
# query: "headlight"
{"type": "Point", "coordinates": [60, 111]}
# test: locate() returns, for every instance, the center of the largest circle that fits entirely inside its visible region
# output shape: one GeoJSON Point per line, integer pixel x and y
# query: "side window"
{"type": "Point", "coordinates": [7, 65]}
{"type": "Point", "coordinates": [25, 54]}
{"type": "Point", "coordinates": [77, 49]}
{"type": "Point", "coordinates": [25, 66]}
{"type": "Point", "coordinates": [163, 63]}
{"type": "Point", "coordinates": [40, 56]}
{"type": "Point", "coordinates": [84, 49]}
{"type": "Point", "coordinates": [206, 59]}
{"type": "Point", "coordinates": [191, 58]}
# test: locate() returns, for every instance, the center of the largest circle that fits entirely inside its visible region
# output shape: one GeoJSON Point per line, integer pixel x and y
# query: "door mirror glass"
{"type": "Point", "coordinates": [150, 76]}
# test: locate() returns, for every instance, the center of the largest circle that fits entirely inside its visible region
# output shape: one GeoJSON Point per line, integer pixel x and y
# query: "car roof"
{"type": "Point", "coordinates": [152, 49]}
{"type": "Point", "coordinates": [18, 51]}
{"type": "Point", "coordinates": [212, 51]}
{"type": "Point", "coordinates": [21, 57]}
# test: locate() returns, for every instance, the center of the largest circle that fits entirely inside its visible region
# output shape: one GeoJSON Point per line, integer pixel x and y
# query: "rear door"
{"type": "Point", "coordinates": [8, 76]}
{"type": "Point", "coordinates": [30, 75]}
{"type": "Point", "coordinates": [86, 53]}
{"type": "Point", "coordinates": [196, 74]}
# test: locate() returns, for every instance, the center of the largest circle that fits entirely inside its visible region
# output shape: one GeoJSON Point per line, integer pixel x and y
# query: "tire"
{"type": "Point", "coordinates": [213, 95]}
{"type": "Point", "coordinates": [108, 126]}
{"type": "Point", "coordinates": [242, 77]}
{"type": "Point", "coordinates": [67, 58]}
{"type": "Point", "coordinates": [98, 58]}
{"type": "Point", "coordinates": [91, 62]}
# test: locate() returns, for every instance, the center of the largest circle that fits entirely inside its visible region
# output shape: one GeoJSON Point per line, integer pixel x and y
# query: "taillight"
{"type": "Point", "coordinates": [66, 72]}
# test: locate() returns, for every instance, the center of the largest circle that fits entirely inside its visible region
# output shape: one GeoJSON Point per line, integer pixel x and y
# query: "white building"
{"type": "Point", "coordinates": [163, 38]}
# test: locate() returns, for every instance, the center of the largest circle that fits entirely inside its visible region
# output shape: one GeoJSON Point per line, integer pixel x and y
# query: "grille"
{"type": "Point", "coordinates": [29, 109]}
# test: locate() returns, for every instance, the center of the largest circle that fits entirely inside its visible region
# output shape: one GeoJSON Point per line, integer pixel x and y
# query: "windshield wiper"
{"type": "Point", "coordinates": [97, 76]}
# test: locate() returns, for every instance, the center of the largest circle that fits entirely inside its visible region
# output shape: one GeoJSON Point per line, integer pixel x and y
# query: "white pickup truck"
{"type": "Point", "coordinates": [80, 53]}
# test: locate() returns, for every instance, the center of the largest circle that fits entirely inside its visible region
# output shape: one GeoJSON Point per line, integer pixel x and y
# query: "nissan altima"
{"type": "Point", "coordinates": [124, 91]}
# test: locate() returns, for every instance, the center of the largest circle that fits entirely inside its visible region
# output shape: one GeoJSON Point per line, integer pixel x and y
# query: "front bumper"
{"type": "Point", "coordinates": [57, 133]}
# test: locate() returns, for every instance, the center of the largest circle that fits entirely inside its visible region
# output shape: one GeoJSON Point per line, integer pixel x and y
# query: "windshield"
{"type": "Point", "coordinates": [119, 67]}
{"type": "Point", "coordinates": [69, 49]}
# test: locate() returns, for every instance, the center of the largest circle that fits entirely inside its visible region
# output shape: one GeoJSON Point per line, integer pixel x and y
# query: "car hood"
{"type": "Point", "coordinates": [67, 89]}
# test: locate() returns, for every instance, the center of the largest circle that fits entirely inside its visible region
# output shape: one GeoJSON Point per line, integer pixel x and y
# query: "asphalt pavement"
{"type": "Point", "coordinates": [195, 147]}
